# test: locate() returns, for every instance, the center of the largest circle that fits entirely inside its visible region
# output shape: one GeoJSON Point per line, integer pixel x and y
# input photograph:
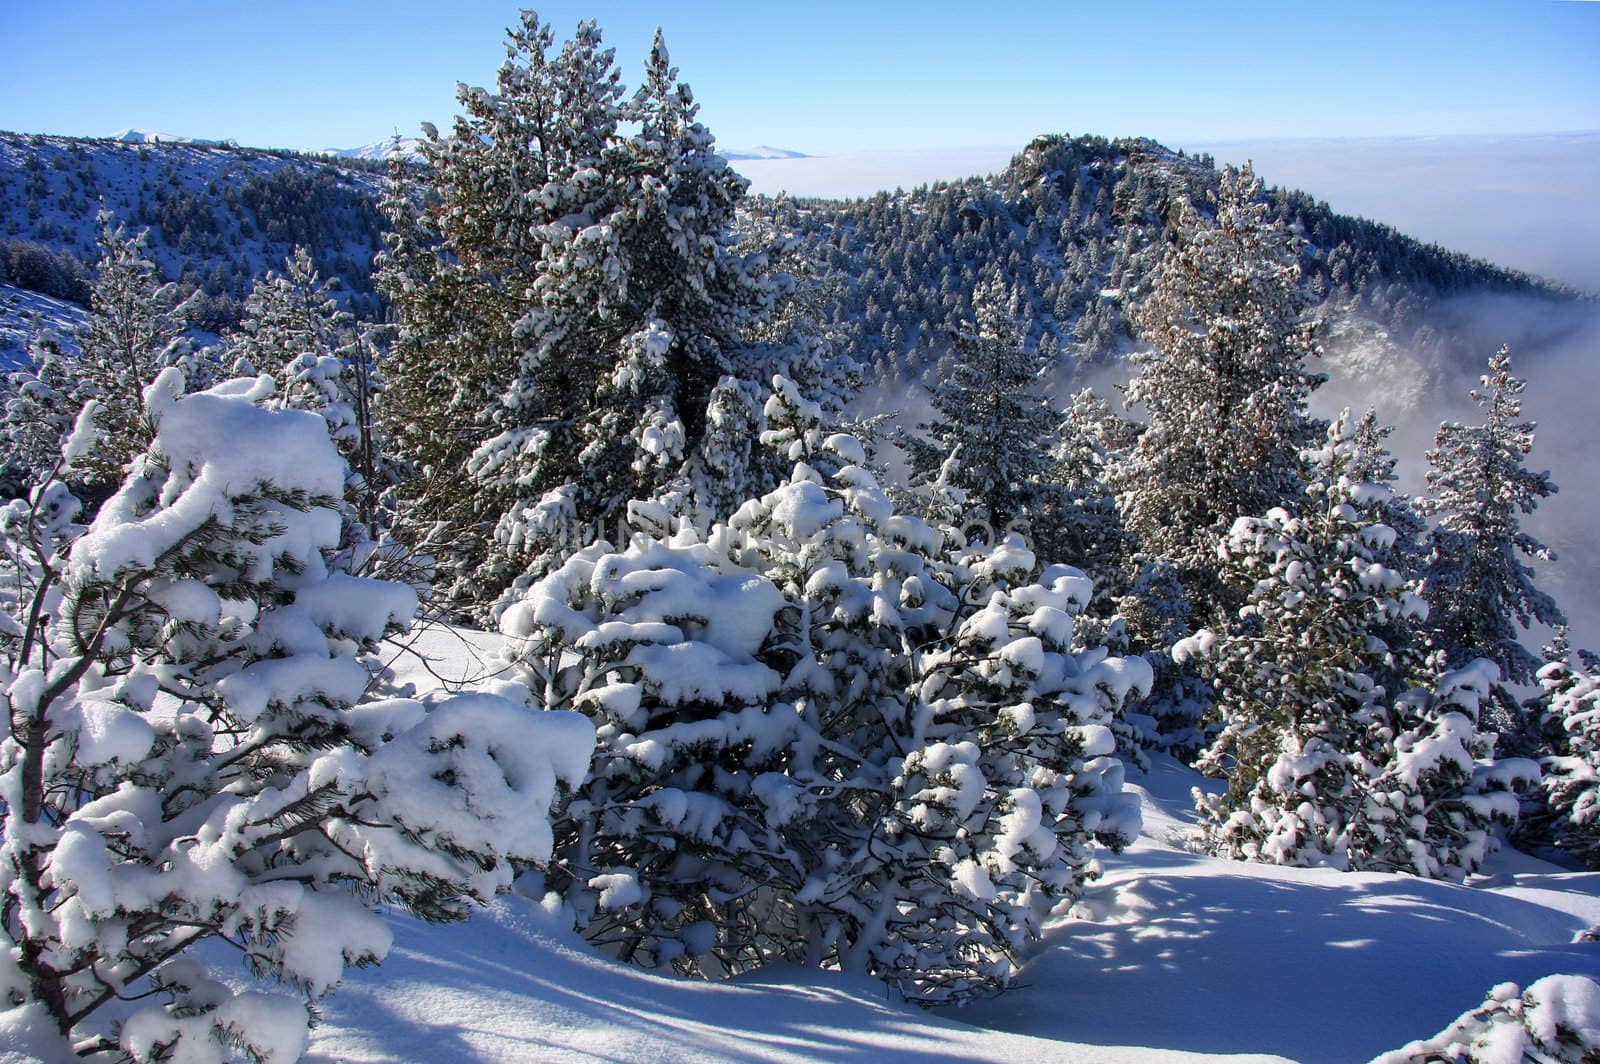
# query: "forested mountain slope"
{"type": "Point", "coordinates": [1072, 227]}
{"type": "Point", "coordinates": [219, 216]}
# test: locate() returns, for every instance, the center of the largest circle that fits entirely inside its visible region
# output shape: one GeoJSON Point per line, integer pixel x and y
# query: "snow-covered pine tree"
{"type": "Point", "coordinates": [1551, 1022]}
{"type": "Point", "coordinates": [1436, 799]}
{"type": "Point", "coordinates": [607, 305]}
{"type": "Point", "coordinates": [134, 330]}
{"type": "Point", "coordinates": [1081, 521]}
{"type": "Point", "coordinates": [1569, 712]}
{"type": "Point", "coordinates": [1318, 647]}
{"type": "Point", "coordinates": [295, 329]}
{"type": "Point", "coordinates": [192, 757]}
{"type": "Point", "coordinates": [993, 414]}
{"type": "Point", "coordinates": [462, 265]}
{"type": "Point", "coordinates": [1224, 384]}
{"type": "Point", "coordinates": [1373, 463]}
{"type": "Point", "coordinates": [826, 736]}
{"type": "Point", "coordinates": [1337, 748]}
{"type": "Point", "coordinates": [1478, 586]}
{"type": "Point", "coordinates": [40, 403]}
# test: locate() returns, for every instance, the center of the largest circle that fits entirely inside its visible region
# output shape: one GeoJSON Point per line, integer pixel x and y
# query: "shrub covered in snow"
{"type": "Point", "coordinates": [1571, 722]}
{"type": "Point", "coordinates": [189, 758]}
{"type": "Point", "coordinates": [827, 736]}
{"type": "Point", "coordinates": [1332, 755]}
{"type": "Point", "coordinates": [831, 738]}
{"type": "Point", "coordinates": [1557, 1019]}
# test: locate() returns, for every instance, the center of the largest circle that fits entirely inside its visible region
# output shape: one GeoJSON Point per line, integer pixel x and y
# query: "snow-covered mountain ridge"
{"type": "Point", "coordinates": [219, 215]}
{"type": "Point", "coordinates": [152, 136]}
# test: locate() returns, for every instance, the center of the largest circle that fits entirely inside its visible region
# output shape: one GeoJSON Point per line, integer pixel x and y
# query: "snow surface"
{"type": "Point", "coordinates": [23, 314]}
{"type": "Point", "coordinates": [1173, 956]}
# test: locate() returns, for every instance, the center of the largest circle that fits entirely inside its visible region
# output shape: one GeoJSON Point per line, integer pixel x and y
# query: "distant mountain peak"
{"type": "Point", "coordinates": [387, 148]}
{"type": "Point", "coordinates": [149, 136]}
{"type": "Point", "coordinates": [153, 136]}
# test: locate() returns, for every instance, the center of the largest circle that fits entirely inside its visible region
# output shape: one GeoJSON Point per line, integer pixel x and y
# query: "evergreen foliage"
{"type": "Point", "coordinates": [134, 330]}
{"type": "Point", "coordinates": [186, 762]}
{"type": "Point", "coordinates": [1478, 585]}
{"type": "Point", "coordinates": [41, 402]}
{"type": "Point", "coordinates": [1334, 751]}
{"type": "Point", "coordinates": [1569, 720]}
{"type": "Point", "coordinates": [993, 415]}
{"type": "Point", "coordinates": [1225, 385]}
{"type": "Point", "coordinates": [587, 294]}
{"type": "Point", "coordinates": [828, 736]}
{"type": "Point", "coordinates": [1551, 1022]}
{"type": "Point", "coordinates": [294, 327]}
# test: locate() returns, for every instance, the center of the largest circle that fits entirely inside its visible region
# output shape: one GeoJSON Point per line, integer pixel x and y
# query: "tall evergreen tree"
{"type": "Point", "coordinates": [134, 330]}
{"type": "Point", "coordinates": [1480, 589]}
{"type": "Point", "coordinates": [585, 281]}
{"type": "Point", "coordinates": [1224, 384]}
{"type": "Point", "coordinates": [1319, 646]}
{"type": "Point", "coordinates": [993, 414]}
{"type": "Point", "coordinates": [1339, 745]}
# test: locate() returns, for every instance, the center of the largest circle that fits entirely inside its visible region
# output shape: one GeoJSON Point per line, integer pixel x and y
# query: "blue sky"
{"type": "Point", "coordinates": [832, 77]}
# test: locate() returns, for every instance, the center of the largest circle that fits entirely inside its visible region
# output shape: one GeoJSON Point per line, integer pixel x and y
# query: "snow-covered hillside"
{"type": "Point", "coordinates": [218, 216]}
{"type": "Point", "coordinates": [24, 315]}
{"type": "Point", "coordinates": [1172, 957]}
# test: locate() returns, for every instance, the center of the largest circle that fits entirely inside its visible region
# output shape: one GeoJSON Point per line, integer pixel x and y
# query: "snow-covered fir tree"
{"type": "Point", "coordinates": [1224, 385]}
{"type": "Point", "coordinates": [1372, 462]}
{"type": "Point", "coordinates": [1478, 577]}
{"type": "Point", "coordinates": [194, 758]}
{"type": "Point", "coordinates": [1569, 722]}
{"type": "Point", "coordinates": [1301, 673]}
{"type": "Point", "coordinates": [294, 329]}
{"type": "Point", "coordinates": [1080, 518]}
{"type": "Point", "coordinates": [1334, 750]}
{"type": "Point", "coordinates": [38, 405]}
{"type": "Point", "coordinates": [460, 265]}
{"type": "Point", "coordinates": [994, 416]}
{"type": "Point", "coordinates": [827, 736]}
{"type": "Point", "coordinates": [1438, 795]}
{"type": "Point", "coordinates": [591, 237]}
{"type": "Point", "coordinates": [134, 330]}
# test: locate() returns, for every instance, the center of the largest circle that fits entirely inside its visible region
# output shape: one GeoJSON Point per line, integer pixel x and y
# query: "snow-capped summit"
{"type": "Point", "coordinates": [387, 148]}
{"type": "Point", "coordinates": [152, 136]}
{"type": "Point", "coordinates": [149, 136]}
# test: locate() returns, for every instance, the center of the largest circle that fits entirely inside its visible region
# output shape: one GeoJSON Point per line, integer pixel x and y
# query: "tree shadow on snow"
{"type": "Point", "coordinates": [513, 989]}
{"type": "Point", "coordinates": [1279, 961]}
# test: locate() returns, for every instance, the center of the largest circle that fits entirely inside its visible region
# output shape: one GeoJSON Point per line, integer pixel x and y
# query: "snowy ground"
{"type": "Point", "coordinates": [24, 313]}
{"type": "Point", "coordinates": [1175, 957]}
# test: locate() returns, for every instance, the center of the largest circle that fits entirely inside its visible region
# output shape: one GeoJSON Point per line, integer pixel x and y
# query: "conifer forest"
{"type": "Point", "coordinates": [530, 598]}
